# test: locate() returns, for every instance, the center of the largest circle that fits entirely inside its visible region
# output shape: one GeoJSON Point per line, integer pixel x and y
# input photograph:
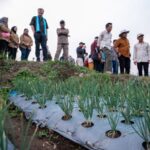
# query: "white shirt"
{"type": "Point", "coordinates": [141, 52]}
{"type": "Point", "coordinates": [105, 40]}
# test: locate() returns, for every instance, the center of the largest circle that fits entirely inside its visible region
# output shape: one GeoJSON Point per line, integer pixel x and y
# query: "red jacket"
{"type": "Point", "coordinates": [93, 47]}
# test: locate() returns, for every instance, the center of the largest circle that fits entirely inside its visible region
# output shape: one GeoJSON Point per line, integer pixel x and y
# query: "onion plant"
{"type": "Point", "coordinates": [113, 120]}
{"type": "Point", "coordinates": [142, 128]}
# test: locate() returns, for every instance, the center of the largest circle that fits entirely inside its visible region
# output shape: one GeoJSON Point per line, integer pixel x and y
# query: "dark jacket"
{"type": "Point", "coordinates": [80, 52]}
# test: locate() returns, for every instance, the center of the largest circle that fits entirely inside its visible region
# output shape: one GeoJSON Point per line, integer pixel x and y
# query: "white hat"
{"type": "Point", "coordinates": [140, 34]}
{"type": "Point", "coordinates": [124, 31]}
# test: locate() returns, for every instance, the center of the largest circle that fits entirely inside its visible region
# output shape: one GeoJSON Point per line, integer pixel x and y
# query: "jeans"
{"type": "Point", "coordinates": [98, 66]}
{"type": "Point", "coordinates": [40, 40]}
{"type": "Point", "coordinates": [141, 66]}
{"type": "Point", "coordinates": [115, 67]}
{"type": "Point", "coordinates": [124, 65]}
{"type": "Point", "coordinates": [25, 53]}
{"type": "Point", "coordinates": [12, 52]}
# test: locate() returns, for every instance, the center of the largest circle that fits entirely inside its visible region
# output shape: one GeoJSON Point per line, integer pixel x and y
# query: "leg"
{"type": "Point", "coordinates": [65, 52]}
{"type": "Point", "coordinates": [108, 64]}
{"type": "Point", "coordinates": [14, 53]}
{"type": "Point", "coordinates": [37, 37]}
{"type": "Point", "coordinates": [44, 47]}
{"type": "Point", "coordinates": [122, 64]}
{"type": "Point", "coordinates": [27, 53]}
{"type": "Point", "coordinates": [10, 52]}
{"type": "Point", "coordinates": [127, 65]}
{"type": "Point", "coordinates": [146, 66]}
{"type": "Point", "coordinates": [101, 67]}
{"type": "Point", "coordinates": [23, 53]}
{"type": "Point", "coordinates": [139, 66]}
{"type": "Point", "coordinates": [59, 47]}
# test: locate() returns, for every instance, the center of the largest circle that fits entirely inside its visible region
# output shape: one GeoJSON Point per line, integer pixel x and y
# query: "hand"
{"type": "Point", "coordinates": [135, 62]}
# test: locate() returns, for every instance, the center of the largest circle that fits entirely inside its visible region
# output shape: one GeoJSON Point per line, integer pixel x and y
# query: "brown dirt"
{"type": "Point", "coordinates": [87, 124]}
{"type": "Point", "coordinates": [65, 118]}
{"type": "Point", "coordinates": [113, 134]}
{"type": "Point", "coordinates": [49, 141]}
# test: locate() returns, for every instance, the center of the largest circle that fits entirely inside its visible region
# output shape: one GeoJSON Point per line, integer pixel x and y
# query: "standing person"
{"type": "Point", "coordinates": [104, 43]}
{"type": "Point", "coordinates": [62, 42]}
{"type": "Point", "coordinates": [94, 54]}
{"type": "Point", "coordinates": [141, 55]}
{"type": "Point", "coordinates": [81, 51]}
{"type": "Point", "coordinates": [26, 43]}
{"type": "Point", "coordinates": [4, 36]}
{"type": "Point", "coordinates": [123, 47]}
{"type": "Point", "coordinates": [115, 60]}
{"type": "Point", "coordinates": [39, 27]}
{"type": "Point", "coordinates": [13, 43]}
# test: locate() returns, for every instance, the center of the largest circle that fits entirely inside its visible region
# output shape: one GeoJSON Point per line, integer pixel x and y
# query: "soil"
{"type": "Point", "coordinates": [131, 122]}
{"type": "Point", "coordinates": [87, 124]}
{"type": "Point", "coordinates": [113, 134]}
{"type": "Point", "coordinates": [49, 140]}
{"type": "Point", "coordinates": [145, 146]}
{"type": "Point", "coordinates": [65, 118]}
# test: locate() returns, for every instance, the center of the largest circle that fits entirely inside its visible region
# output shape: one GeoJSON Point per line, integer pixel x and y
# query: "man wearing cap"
{"type": "Point", "coordinates": [62, 42]}
{"type": "Point", "coordinates": [123, 49]}
{"type": "Point", "coordinates": [39, 27]}
{"type": "Point", "coordinates": [141, 55]}
{"type": "Point", "coordinates": [104, 43]}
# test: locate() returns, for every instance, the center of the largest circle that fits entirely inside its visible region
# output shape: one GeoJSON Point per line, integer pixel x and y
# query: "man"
{"type": "Point", "coordinates": [39, 27]}
{"type": "Point", "coordinates": [141, 55]}
{"type": "Point", "coordinates": [81, 51]}
{"type": "Point", "coordinates": [62, 43]}
{"type": "Point", "coordinates": [104, 43]}
{"type": "Point", "coordinates": [95, 55]}
{"type": "Point", "coordinates": [122, 46]}
{"type": "Point", "coordinates": [26, 43]}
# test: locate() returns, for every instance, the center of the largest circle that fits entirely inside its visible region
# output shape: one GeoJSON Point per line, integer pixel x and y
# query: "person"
{"type": "Point", "coordinates": [26, 43]}
{"type": "Point", "coordinates": [123, 48]}
{"type": "Point", "coordinates": [13, 43]}
{"type": "Point", "coordinates": [39, 27]}
{"type": "Point", "coordinates": [90, 63]}
{"type": "Point", "coordinates": [62, 42]}
{"type": "Point", "coordinates": [104, 44]}
{"type": "Point", "coordinates": [94, 54]}
{"type": "Point", "coordinates": [4, 36]}
{"type": "Point", "coordinates": [81, 51]}
{"type": "Point", "coordinates": [115, 60]}
{"type": "Point", "coordinates": [141, 55]}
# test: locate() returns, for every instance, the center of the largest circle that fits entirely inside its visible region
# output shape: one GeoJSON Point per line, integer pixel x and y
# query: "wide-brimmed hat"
{"type": "Point", "coordinates": [123, 31]}
{"type": "Point", "coordinates": [139, 35]}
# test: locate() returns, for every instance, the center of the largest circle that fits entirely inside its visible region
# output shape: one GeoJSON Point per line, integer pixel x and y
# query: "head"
{"type": "Point", "coordinates": [14, 29]}
{"type": "Point", "coordinates": [81, 44]}
{"type": "Point", "coordinates": [62, 24]}
{"type": "Point", "coordinates": [4, 20]}
{"type": "Point", "coordinates": [140, 38]}
{"type": "Point", "coordinates": [114, 41]}
{"type": "Point", "coordinates": [96, 39]}
{"type": "Point", "coordinates": [26, 31]}
{"type": "Point", "coordinates": [40, 12]}
{"type": "Point", "coordinates": [108, 27]}
{"type": "Point", "coordinates": [124, 35]}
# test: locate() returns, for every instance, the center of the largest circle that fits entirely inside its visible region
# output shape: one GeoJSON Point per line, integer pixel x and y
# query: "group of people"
{"type": "Point", "coordinates": [104, 57]}
{"type": "Point", "coordinates": [107, 58]}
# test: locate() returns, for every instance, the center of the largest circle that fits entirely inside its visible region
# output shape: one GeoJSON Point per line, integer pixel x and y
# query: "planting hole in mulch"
{"type": "Point", "coordinates": [87, 124]}
{"type": "Point", "coordinates": [127, 123]}
{"type": "Point", "coordinates": [42, 107]}
{"type": "Point", "coordinates": [102, 116]}
{"type": "Point", "coordinates": [146, 147]}
{"type": "Point", "coordinates": [66, 117]}
{"type": "Point", "coordinates": [113, 134]}
{"type": "Point", "coordinates": [34, 102]}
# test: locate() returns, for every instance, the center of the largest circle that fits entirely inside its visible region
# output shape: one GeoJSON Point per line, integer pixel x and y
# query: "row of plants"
{"type": "Point", "coordinates": [95, 92]}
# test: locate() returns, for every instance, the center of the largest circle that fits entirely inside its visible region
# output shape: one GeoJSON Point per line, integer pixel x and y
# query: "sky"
{"type": "Point", "coordinates": [84, 18]}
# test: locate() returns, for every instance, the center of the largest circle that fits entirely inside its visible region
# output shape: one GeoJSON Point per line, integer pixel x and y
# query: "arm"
{"type": "Point", "coordinates": [135, 55]}
{"type": "Point", "coordinates": [4, 29]}
{"type": "Point", "coordinates": [148, 48]}
{"type": "Point", "coordinates": [32, 24]}
{"type": "Point", "coordinates": [100, 39]}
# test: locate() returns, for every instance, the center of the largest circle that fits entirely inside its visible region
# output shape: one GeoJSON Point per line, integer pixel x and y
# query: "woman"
{"type": "Point", "coordinates": [26, 43]}
{"type": "Point", "coordinates": [4, 36]}
{"type": "Point", "coordinates": [13, 44]}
